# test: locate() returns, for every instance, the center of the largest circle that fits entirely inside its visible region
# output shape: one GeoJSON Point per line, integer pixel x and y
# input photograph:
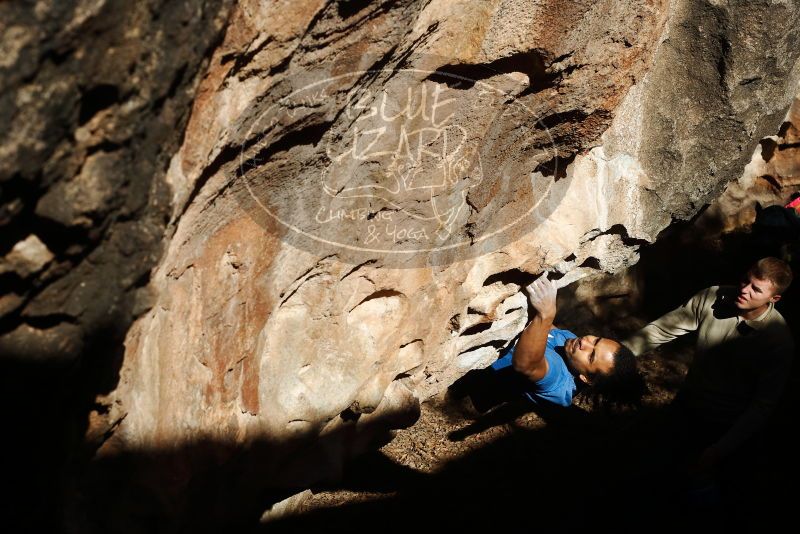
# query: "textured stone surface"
{"type": "Point", "coordinates": [769, 179]}
{"type": "Point", "coordinates": [94, 95]}
{"type": "Point", "coordinates": [715, 247]}
{"type": "Point", "coordinates": [94, 99]}
{"type": "Point", "coordinates": [259, 339]}
{"type": "Point", "coordinates": [263, 357]}
{"type": "Point", "coordinates": [27, 257]}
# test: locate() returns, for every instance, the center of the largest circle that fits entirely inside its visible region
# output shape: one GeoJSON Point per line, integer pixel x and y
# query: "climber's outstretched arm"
{"type": "Point", "coordinates": [528, 356]}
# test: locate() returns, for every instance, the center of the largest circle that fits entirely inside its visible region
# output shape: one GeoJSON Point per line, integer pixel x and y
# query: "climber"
{"type": "Point", "coordinates": [549, 364]}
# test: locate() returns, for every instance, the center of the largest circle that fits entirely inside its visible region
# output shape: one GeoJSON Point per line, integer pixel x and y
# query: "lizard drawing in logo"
{"type": "Point", "coordinates": [405, 153]}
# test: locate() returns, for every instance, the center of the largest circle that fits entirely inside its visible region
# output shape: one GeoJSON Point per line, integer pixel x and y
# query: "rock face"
{"type": "Point", "coordinates": [358, 196]}
{"type": "Point", "coordinates": [715, 247]}
{"type": "Point", "coordinates": [767, 180]}
{"type": "Point", "coordinates": [94, 99]}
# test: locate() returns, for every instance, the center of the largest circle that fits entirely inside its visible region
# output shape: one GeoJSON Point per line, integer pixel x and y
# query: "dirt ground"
{"type": "Point", "coordinates": [577, 468]}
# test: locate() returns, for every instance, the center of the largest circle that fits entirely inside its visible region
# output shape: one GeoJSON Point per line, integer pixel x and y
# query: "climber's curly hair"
{"type": "Point", "coordinates": [623, 386]}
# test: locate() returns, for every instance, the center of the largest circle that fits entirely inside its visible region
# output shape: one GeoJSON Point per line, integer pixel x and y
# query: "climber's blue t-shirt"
{"type": "Point", "coordinates": [557, 386]}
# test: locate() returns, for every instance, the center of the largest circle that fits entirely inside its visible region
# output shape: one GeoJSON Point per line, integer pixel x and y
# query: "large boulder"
{"type": "Point", "coordinates": [359, 195]}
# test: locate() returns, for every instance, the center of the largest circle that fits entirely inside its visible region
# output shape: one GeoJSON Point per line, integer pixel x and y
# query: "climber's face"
{"type": "Point", "coordinates": [590, 355]}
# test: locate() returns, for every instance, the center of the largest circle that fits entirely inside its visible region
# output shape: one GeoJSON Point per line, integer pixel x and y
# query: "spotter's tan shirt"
{"type": "Point", "coordinates": [740, 367]}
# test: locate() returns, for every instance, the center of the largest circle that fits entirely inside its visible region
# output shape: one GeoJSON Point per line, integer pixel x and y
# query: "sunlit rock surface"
{"type": "Point", "coordinates": [357, 197]}
{"type": "Point", "coordinates": [768, 179]}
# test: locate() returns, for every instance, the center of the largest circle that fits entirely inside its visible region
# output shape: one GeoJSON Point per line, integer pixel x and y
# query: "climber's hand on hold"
{"type": "Point", "coordinates": [542, 296]}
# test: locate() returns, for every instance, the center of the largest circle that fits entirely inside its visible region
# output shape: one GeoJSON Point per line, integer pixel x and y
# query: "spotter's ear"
{"type": "Point", "coordinates": [775, 298]}
{"type": "Point", "coordinates": [585, 379]}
